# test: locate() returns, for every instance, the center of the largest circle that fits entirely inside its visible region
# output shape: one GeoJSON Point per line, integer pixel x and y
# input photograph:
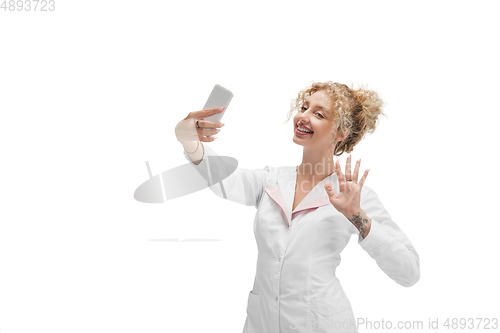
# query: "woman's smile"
{"type": "Point", "coordinates": [301, 133]}
{"type": "Point", "coordinates": [301, 130]}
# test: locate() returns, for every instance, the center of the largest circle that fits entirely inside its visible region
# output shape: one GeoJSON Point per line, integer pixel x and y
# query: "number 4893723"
{"type": "Point", "coordinates": [28, 5]}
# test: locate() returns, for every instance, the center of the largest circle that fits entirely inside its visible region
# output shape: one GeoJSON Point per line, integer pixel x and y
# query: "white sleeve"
{"type": "Point", "coordinates": [243, 186]}
{"type": "Point", "coordinates": [387, 243]}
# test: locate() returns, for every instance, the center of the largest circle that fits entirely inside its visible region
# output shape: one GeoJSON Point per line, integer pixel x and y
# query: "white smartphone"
{"type": "Point", "coordinates": [219, 97]}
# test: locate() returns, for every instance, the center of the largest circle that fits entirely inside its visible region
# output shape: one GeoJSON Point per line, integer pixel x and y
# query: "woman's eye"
{"type": "Point", "coordinates": [303, 108]}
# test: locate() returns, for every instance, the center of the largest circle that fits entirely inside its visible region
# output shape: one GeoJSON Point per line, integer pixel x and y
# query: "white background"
{"type": "Point", "coordinates": [91, 91]}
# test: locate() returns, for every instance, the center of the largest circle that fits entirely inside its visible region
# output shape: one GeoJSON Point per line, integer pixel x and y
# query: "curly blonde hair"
{"type": "Point", "coordinates": [354, 109]}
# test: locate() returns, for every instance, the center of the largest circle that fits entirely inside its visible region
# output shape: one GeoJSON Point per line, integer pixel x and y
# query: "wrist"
{"type": "Point", "coordinates": [191, 147]}
{"type": "Point", "coordinates": [360, 220]}
{"type": "Point", "coordinates": [349, 213]}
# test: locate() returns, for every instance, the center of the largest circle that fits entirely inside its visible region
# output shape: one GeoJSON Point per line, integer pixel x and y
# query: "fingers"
{"type": "Point", "coordinates": [208, 124]}
{"type": "Point", "coordinates": [196, 128]}
{"type": "Point", "coordinates": [207, 135]}
{"type": "Point", "coordinates": [338, 170]}
{"type": "Point", "coordinates": [207, 138]}
{"type": "Point", "coordinates": [205, 113]}
{"type": "Point", "coordinates": [212, 111]}
{"type": "Point", "coordinates": [356, 171]}
{"type": "Point", "coordinates": [348, 168]}
{"type": "Point", "coordinates": [362, 181]}
{"type": "Point", "coordinates": [340, 177]}
{"type": "Point", "coordinates": [208, 132]}
{"type": "Point", "coordinates": [211, 132]}
{"type": "Point", "coordinates": [186, 130]}
{"type": "Point", "coordinates": [329, 190]}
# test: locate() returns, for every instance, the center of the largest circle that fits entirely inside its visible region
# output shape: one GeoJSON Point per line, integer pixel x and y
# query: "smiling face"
{"type": "Point", "coordinates": [316, 114]}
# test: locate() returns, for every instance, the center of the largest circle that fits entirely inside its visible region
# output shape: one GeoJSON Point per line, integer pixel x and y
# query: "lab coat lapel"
{"type": "Point", "coordinates": [275, 193]}
{"type": "Point", "coordinates": [283, 194]}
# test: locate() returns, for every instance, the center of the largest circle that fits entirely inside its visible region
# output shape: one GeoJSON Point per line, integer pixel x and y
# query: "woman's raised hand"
{"type": "Point", "coordinates": [347, 201]}
{"type": "Point", "coordinates": [194, 127]}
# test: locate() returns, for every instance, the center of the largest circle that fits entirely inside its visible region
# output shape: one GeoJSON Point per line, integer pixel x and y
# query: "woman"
{"type": "Point", "coordinates": [307, 214]}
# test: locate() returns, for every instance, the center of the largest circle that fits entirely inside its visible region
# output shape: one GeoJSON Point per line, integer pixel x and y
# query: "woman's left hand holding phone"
{"type": "Point", "coordinates": [193, 129]}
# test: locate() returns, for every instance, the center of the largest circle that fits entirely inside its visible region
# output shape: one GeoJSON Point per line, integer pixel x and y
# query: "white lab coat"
{"type": "Point", "coordinates": [296, 289]}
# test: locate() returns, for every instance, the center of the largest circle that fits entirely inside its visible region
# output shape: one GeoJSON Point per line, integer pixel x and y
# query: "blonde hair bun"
{"type": "Point", "coordinates": [372, 107]}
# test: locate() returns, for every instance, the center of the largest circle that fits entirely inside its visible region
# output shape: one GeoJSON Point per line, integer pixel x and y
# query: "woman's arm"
{"type": "Point", "coordinates": [387, 243]}
{"type": "Point", "coordinates": [240, 185]}
{"type": "Point", "coordinates": [243, 186]}
{"type": "Point", "coordinates": [197, 149]}
{"type": "Point", "coordinates": [379, 235]}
